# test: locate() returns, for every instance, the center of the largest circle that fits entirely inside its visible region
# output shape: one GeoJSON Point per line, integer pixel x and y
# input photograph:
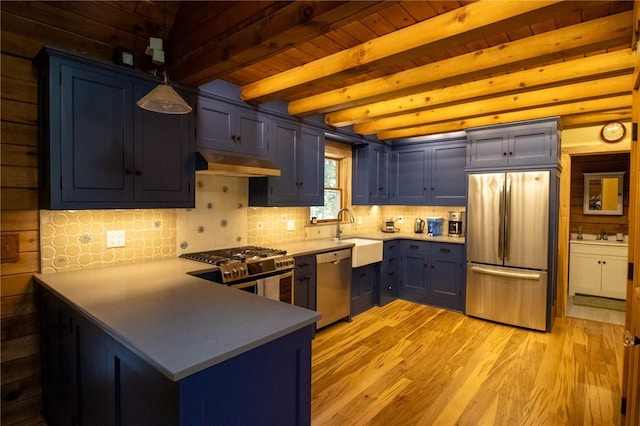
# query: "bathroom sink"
{"type": "Point", "coordinates": [365, 251]}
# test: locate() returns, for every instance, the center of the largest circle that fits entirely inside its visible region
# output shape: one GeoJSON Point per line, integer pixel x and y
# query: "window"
{"type": "Point", "coordinates": [337, 174]}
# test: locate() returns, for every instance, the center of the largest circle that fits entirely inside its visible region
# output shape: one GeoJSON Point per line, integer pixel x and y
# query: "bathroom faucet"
{"type": "Point", "coordinates": [338, 231]}
{"type": "Point", "coordinates": [602, 235]}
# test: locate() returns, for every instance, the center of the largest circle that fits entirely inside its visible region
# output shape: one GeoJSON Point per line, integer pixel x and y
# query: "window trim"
{"type": "Point", "coordinates": [339, 151]}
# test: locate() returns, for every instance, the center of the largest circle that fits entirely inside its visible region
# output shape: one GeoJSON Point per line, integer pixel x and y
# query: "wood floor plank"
{"type": "Point", "coordinates": [406, 364]}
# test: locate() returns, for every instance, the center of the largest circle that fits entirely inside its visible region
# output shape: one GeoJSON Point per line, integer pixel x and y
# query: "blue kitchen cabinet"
{"type": "Point", "coordinates": [100, 150]}
{"type": "Point", "coordinates": [531, 143]}
{"type": "Point", "coordinates": [409, 176]}
{"type": "Point", "coordinates": [304, 293]}
{"type": "Point", "coordinates": [389, 272]}
{"type": "Point", "coordinates": [414, 266]}
{"type": "Point", "coordinates": [298, 150]}
{"type": "Point", "coordinates": [370, 174]}
{"type": "Point", "coordinates": [225, 127]}
{"type": "Point", "coordinates": [433, 273]}
{"type": "Point", "coordinates": [364, 288]}
{"type": "Point", "coordinates": [447, 276]}
{"type": "Point", "coordinates": [448, 177]}
{"type": "Point", "coordinates": [90, 378]}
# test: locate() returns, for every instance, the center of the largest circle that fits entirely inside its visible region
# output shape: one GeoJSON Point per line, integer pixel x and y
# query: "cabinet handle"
{"type": "Point", "coordinates": [239, 139]}
{"type": "Point", "coordinates": [233, 138]}
{"type": "Point", "coordinates": [380, 189]}
{"type": "Point", "coordinates": [363, 274]}
{"type": "Point", "coordinates": [445, 250]}
{"type": "Point", "coordinates": [414, 246]}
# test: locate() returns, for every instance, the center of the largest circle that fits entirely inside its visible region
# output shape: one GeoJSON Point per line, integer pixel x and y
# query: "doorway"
{"type": "Point", "coordinates": [584, 301]}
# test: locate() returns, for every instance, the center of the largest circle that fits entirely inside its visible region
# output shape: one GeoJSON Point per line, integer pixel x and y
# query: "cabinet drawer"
{"type": "Point", "coordinates": [444, 249]}
{"type": "Point", "coordinates": [599, 249]}
{"type": "Point", "coordinates": [417, 246]}
{"type": "Point", "coordinates": [304, 265]}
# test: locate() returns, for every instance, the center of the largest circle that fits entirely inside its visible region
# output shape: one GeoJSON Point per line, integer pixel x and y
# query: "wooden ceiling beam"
{"type": "Point", "coordinates": [498, 104]}
{"type": "Point", "coordinates": [615, 102]}
{"type": "Point", "coordinates": [462, 24]}
{"type": "Point", "coordinates": [553, 45]}
{"type": "Point", "coordinates": [599, 117]}
{"type": "Point", "coordinates": [291, 25]}
{"type": "Point", "coordinates": [555, 74]}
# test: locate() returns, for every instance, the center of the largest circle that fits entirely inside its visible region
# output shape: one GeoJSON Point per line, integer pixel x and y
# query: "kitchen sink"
{"type": "Point", "coordinates": [365, 251]}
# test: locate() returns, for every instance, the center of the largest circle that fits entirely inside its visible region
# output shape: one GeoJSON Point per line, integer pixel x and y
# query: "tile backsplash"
{"type": "Point", "coordinates": [72, 240]}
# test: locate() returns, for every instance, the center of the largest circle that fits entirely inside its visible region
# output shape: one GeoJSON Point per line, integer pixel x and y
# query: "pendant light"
{"type": "Point", "coordinates": [163, 99]}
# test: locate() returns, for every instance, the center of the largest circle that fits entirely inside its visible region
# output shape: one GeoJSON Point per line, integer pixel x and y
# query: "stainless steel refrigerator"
{"type": "Point", "coordinates": [507, 247]}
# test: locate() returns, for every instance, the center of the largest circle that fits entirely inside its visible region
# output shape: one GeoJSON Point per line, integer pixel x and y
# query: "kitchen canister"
{"type": "Point", "coordinates": [434, 226]}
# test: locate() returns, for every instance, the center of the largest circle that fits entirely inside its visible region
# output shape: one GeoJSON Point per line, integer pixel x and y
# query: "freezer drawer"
{"type": "Point", "coordinates": [507, 295]}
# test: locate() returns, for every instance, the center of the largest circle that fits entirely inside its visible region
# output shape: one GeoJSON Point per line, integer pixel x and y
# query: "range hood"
{"type": "Point", "coordinates": [232, 165]}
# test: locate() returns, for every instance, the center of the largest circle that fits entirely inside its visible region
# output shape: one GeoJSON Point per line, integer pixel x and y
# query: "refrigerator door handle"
{"type": "Point", "coordinates": [501, 224]}
{"type": "Point", "coordinates": [507, 220]}
{"type": "Point", "coordinates": [508, 274]}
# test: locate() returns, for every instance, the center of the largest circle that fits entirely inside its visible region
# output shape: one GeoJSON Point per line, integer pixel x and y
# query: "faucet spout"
{"type": "Point", "coordinates": [351, 220]}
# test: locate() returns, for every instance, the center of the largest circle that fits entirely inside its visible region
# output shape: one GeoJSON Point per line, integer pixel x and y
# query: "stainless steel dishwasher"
{"type": "Point", "coordinates": [333, 297]}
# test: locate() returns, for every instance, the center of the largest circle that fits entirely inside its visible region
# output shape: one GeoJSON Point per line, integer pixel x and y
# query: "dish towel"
{"type": "Point", "coordinates": [269, 287]}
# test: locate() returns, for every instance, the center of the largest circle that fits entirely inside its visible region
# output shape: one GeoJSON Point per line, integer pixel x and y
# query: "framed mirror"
{"type": "Point", "coordinates": [603, 193]}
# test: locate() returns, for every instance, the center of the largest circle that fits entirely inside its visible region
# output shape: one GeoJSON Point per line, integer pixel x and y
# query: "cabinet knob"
{"type": "Point", "coordinates": [604, 262]}
{"type": "Point", "coordinates": [599, 262]}
{"type": "Point", "coordinates": [239, 138]}
{"type": "Point", "coordinates": [510, 153]}
{"type": "Point", "coordinates": [138, 173]}
{"type": "Point", "coordinates": [504, 154]}
{"type": "Point", "coordinates": [128, 172]}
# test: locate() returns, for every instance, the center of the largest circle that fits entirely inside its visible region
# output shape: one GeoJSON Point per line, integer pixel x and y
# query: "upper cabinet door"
{"type": "Point", "coordinates": [226, 127]}
{"type": "Point", "coordinates": [96, 137]}
{"type": "Point", "coordinates": [213, 125]}
{"type": "Point", "coordinates": [488, 149]}
{"type": "Point", "coordinates": [448, 178]}
{"type": "Point", "coordinates": [310, 167]}
{"type": "Point", "coordinates": [163, 161]}
{"type": "Point", "coordinates": [410, 176]}
{"type": "Point", "coordinates": [529, 146]}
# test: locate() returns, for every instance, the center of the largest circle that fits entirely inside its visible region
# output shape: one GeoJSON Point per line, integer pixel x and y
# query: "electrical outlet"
{"type": "Point", "coordinates": [359, 220]}
{"type": "Point", "coordinates": [115, 239]}
{"type": "Point", "coordinates": [400, 219]}
{"type": "Point", "coordinates": [291, 225]}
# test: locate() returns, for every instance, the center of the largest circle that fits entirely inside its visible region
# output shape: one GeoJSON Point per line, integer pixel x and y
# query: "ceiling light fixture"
{"type": "Point", "coordinates": [163, 99]}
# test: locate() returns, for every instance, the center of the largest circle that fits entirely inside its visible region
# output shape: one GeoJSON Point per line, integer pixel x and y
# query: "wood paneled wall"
{"type": "Point", "coordinates": [20, 344]}
{"type": "Point", "coordinates": [592, 224]}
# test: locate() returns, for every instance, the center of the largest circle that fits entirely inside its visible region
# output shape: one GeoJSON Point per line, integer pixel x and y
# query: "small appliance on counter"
{"type": "Point", "coordinates": [390, 226]}
{"type": "Point", "coordinates": [434, 226]}
{"type": "Point", "coordinates": [456, 224]}
{"type": "Point", "coordinates": [418, 228]}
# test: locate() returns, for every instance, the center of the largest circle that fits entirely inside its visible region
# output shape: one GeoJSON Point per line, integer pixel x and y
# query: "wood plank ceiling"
{"type": "Point", "coordinates": [394, 69]}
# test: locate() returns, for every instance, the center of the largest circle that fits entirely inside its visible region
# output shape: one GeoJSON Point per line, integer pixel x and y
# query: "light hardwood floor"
{"type": "Point", "coordinates": [410, 364]}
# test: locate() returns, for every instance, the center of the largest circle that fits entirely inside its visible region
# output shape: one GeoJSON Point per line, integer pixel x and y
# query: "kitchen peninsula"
{"type": "Point", "coordinates": [149, 344]}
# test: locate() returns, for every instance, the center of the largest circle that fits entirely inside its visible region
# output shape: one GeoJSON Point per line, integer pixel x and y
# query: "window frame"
{"type": "Point", "coordinates": [341, 152]}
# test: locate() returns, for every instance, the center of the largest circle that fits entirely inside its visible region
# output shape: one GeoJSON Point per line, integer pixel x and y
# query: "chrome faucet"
{"type": "Point", "coordinates": [602, 235]}
{"type": "Point", "coordinates": [338, 231]}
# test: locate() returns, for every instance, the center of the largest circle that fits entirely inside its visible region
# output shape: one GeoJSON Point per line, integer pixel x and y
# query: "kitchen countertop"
{"type": "Point", "coordinates": [177, 323]}
{"type": "Point", "coordinates": [309, 247]}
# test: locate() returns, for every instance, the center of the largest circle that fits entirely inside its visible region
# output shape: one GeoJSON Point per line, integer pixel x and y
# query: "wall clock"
{"type": "Point", "coordinates": [613, 131]}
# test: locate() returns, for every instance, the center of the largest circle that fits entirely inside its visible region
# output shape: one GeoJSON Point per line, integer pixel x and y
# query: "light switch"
{"type": "Point", "coordinates": [115, 239]}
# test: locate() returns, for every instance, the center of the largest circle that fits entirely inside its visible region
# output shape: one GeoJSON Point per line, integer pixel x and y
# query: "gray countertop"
{"type": "Point", "coordinates": [178, 323]}
{"type": "Point", "coordinates": [181, 324]}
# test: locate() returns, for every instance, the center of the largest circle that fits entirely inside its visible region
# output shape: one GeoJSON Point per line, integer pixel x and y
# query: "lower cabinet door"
{"type": "Point", "coordinates": [364, 293]}
{"type": "Point", "coordinates": [415, 277]}
{"type": "Point", "coordinates": [445, 289]}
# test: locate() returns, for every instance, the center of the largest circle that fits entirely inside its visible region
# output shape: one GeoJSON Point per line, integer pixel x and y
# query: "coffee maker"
{"type": "Point", "coordinates": [456, 224]}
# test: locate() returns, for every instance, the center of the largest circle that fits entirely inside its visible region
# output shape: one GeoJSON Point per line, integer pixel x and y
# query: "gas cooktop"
{"type": "Point", "coordinates": [243, 254]}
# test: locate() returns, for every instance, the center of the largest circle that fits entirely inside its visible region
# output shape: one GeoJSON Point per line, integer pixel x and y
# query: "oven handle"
{"type": "Point", "coordinates": [245, 285]}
